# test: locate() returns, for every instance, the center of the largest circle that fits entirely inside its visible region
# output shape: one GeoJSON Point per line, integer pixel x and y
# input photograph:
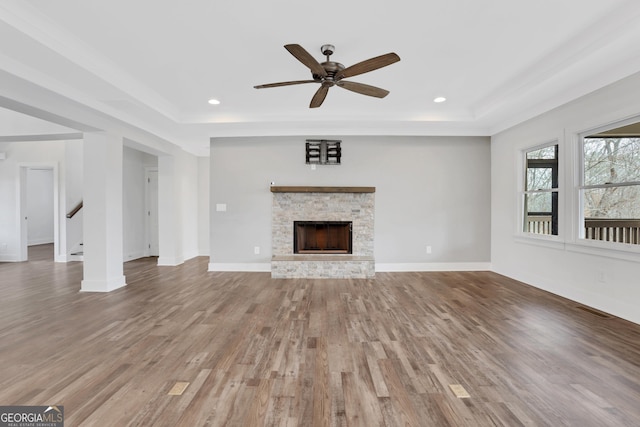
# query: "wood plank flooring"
{"type": "Point", "coordinates": [256, 351]}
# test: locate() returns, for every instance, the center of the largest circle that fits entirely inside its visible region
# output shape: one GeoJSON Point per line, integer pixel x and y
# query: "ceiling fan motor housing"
{"type": "Point", "coordinates": [332, 69]}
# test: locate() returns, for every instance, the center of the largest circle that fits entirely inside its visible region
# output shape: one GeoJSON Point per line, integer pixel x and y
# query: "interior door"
{"type": "Point", "coordinates": [152, 212]}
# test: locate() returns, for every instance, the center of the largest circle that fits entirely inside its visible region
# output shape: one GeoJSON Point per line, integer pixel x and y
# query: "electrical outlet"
{"type": "Point", "coordinates": [602, 277]}
{"type": "Point", "coordinates": [256, 250]}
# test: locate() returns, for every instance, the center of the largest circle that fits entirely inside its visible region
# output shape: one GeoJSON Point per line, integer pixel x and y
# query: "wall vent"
{"type": "Point", "coordinates": [594, 312]}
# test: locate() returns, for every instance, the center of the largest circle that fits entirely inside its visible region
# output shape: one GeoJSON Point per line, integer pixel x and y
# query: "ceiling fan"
{"type": "Point", "coordinates": [330, 73]}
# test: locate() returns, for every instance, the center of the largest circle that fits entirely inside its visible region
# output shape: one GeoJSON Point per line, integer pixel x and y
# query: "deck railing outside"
{"type": "Point", "coordinates": [613, 230]}
{"type": "Point", "coordinates": [539, 224]}
{"type": "Point", "coordinates": [609, 230]}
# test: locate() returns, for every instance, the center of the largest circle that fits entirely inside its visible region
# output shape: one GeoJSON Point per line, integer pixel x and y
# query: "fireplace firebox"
{"type": "Point", "coordinates": [322, 237]}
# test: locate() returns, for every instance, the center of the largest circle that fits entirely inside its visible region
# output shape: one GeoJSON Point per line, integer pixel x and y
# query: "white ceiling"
{"type": "Point", "coordinates": [155, 64]}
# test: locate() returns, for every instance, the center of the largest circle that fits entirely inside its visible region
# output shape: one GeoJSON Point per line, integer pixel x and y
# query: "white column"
{"type": "Point", "coordinates": [102, 213]}
{"type": "Point", "coordinates": [169, 212]}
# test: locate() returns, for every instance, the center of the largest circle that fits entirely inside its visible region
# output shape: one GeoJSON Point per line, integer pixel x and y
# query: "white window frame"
{"type": "Point", "coordinates": [549, 240]}
{"type": "Point", "coordinates": [578, 243]}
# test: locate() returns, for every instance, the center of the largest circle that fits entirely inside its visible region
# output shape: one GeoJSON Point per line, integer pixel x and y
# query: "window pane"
{"type": "Point", "coordinates": [538, 203]}
{"type": "Point", "coordinates": [541, 213]}
{"type": "Point", "coordinates": [611, 160]}
{"type": "Point", "coordinates": [539, 179]}
{"type": "Point", "coordinates": [612, 214]}
{"type": "Point", "coordinates": [612, 202]}
{"type": "Point", "coordinates": [543, 153]}
{"type": "Point", "coordinates": [542, 168]}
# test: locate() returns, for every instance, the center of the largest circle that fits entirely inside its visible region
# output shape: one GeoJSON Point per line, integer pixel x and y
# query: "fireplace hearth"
{"type": "Point", "coordinates": [322, 237]}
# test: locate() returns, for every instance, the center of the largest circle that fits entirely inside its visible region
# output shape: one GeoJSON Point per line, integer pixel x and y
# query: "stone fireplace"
{"type": "Point", "coordinates": [337, 225]}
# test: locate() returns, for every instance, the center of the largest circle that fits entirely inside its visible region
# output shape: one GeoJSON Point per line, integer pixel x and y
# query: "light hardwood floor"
{"type": "Point", "coordinates": [257, 351]}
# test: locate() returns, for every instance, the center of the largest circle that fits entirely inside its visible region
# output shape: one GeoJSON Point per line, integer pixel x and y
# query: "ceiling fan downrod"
{"type": "Point", "coordinates": [327, 50]}
{"type": "Point", "coordinates": [331, 67]}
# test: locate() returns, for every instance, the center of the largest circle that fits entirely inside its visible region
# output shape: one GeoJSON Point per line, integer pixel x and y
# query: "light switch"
{"type": "Point", "coordinates": [221, 207]}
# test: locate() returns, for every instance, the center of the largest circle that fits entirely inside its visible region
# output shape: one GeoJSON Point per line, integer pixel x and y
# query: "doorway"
{"type": "Point", "coordinates": [151, 190]}
{"type": "Point", "coordinates": [38, 208]}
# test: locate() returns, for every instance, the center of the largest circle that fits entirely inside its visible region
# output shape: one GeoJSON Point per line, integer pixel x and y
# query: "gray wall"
{"type": "Point", "coordinates": [429, 191]}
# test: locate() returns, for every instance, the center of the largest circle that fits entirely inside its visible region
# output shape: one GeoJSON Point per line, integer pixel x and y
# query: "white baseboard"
{"type": "Point", "coordinates": [36, 242]}
{"type": "Point", "coordinates": [190, 255]}
{"type": "Point", "coordinates": [625, 309]}
{"type": "Point", "coordinates": [258, 267]}
{"type": "Point", "coordinates": [134, 256]}
{"type": "Point", "coordinates": [107, 285]}
{"type": "Point", "coordinates": [169, 261]}
{"type": "Point", "coordinates": [9, 258]}
{"type": "Point", "coordinates": [433, 266]}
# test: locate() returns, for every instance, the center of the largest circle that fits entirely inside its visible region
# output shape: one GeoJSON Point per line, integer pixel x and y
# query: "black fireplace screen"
{"type": "Point", "coordinates": [313, 237]}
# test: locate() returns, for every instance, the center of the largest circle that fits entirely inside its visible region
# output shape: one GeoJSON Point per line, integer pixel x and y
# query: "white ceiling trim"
{"type": "Point", "coordinates": [619, 26]}
{"type": "Point", "coordinates": [29, 21]}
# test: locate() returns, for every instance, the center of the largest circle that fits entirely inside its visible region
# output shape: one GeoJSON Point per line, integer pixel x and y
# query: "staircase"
{"type": "Point", "coordinates": [78, 254]}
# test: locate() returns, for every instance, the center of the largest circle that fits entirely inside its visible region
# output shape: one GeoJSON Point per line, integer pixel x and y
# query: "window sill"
{"type": "Point", "coordinates": [606, 249]}
{"type": "Point", "coordinates": [553, 242]}
{"type": "Point", "coordinates": [620, 251]}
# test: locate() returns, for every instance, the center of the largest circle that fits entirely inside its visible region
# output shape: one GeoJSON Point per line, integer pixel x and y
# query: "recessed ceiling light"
{"type": "Point", "coordinates": [439, 99]}
{"type": "Point", "coordinates": [214, 101]}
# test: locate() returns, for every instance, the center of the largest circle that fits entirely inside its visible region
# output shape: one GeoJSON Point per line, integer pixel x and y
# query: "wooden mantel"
{"type": "Point", "coordinates": [289, 189]}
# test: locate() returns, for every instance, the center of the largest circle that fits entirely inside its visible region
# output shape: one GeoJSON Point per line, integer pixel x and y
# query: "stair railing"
{"type": "Point", "coordinates": [75, 210]}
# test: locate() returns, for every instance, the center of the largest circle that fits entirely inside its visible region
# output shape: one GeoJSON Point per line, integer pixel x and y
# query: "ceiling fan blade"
{"type": "Point", "coordinates": [305, 57]}
{"type": "Point", "coordinates": [319, 96]}
{"type": "Point", "coordinates": [363, 89]}
{"type": "Point", "coordinates": [368, 65]}
{"type": "Point", "coordinates": [296, 82]}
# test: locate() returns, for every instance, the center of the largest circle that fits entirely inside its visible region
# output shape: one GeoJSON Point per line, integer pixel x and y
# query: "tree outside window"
{"type": "Point", "coordinates": [610, 190]}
